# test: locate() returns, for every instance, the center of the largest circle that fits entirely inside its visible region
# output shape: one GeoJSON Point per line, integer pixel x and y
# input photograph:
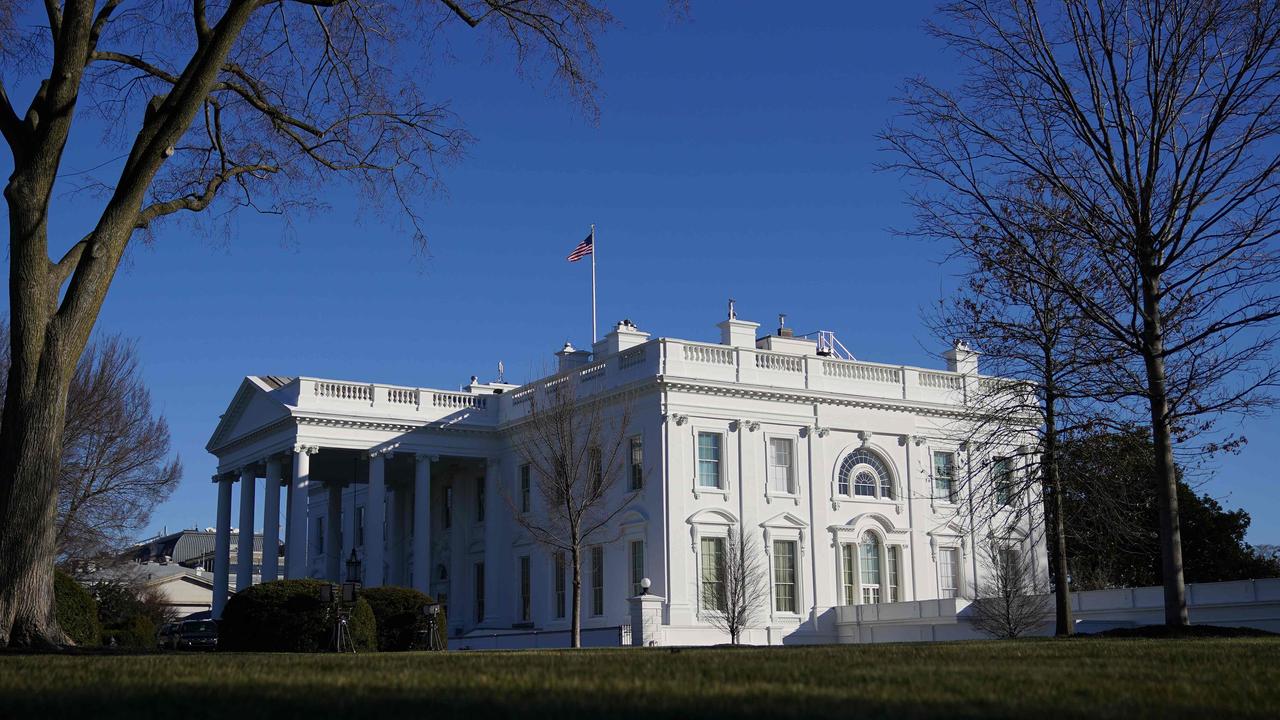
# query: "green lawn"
{"type": "Point", "coordinates": [1203, 678]}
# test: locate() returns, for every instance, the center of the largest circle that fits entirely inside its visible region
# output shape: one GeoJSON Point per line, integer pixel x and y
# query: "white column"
{"type": "Point", "coordinates": [244, 551]}
{"type": "Point", "coordinates": [333, 534]}
{"type": "Point", "coordinates": [271, 521]}
{"type": "Point", "coordinates": [422, 523]}
{"type": "Point", "coordinates": [295, 558]}
{"type": "Point", "coordinates": [374, 516]}
{"type": "Point", "coordinates": [496, 562]}
{"type": "Point", "coordinates": [222, 546]}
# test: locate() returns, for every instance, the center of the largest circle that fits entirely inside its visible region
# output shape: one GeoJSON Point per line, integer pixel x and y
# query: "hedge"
{"type": "Point", "coordinates": [287, 616]}
{"type": "Point", "coordinates": [137, 632]}
{"type": "Point", "coordinates": [75, 610]}
{"type": "Point", "coordinates": [401, 621]}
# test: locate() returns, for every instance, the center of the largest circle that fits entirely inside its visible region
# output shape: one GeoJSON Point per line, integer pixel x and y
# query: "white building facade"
{"type": "Point", "coordinates": [845, 474]}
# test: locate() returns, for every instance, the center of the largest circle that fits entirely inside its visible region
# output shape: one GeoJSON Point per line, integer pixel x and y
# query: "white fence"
{"type": "Point", "coordinates": [1243, 603]}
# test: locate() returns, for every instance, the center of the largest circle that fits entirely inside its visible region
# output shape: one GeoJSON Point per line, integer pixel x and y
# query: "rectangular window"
{"type": "Point", "coordinates": [713, 573]}
{"type": "Point", "coordinates": [637, 566]}
{"type": "Point", "coordinates": [319, 535]}
{"type": "Point", "coordinates": [869, 562]}
{"type": "Point", "coordinates": [479, 570]}
{"type": "Point", "coordinates": [359, 526]}
{"type": "Point", "coordinates": [637, 463]}
{"type": "Point", "coordinates": [596, 468]}
{"type": "Point", "coordinates": [526, 594]}
{"type": "Point", "coordinates": [448, 506]}
{"type": "Point", "coordinates": [948, 573]}
{"type": "Point", "coordinates": [480, 490]}
{"type": "Point", "coordinates": [524, 488]}
{"type": "Point", "coordinates": [944, 471]}
{"type": "Point", "coordinates": [784, 576]}
{"type": "Point", "coordinates": [780, 465]}
{"type": "Point", "coordinates": [891, 554]}
{"type": "Point", "coordinates": [560, 572]}
{"type": "Point", "coordinates": [1002, 475]}
{"type": "Point", "coordinates": [597, 580]}
{"type": "Point", "coordinates": [847, 561]}
{"type": "Point", "coordinates": [709, 459]}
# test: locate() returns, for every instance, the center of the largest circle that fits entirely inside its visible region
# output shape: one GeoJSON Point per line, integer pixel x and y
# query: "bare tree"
{"type": "Point", "coordinates": [115, 465]}
{"type": "Point", "coordinates": [1009, 603]}
{"type": "Point", "coordinates": [1150, 128]}
{"type": "Point", "coordinates": [576, 447]}
{"type": "Point", "coordinates": [216, 106]}
{"type": "Point", "coordinates": [1040, 365]}
{"type": "Point", "coordinates": [733, 599]}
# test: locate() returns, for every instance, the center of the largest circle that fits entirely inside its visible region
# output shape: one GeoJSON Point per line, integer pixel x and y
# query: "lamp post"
{"type": "Point", "coordinates": [646, 582]}
{"type": "Point", "coordinates": [353, 567]}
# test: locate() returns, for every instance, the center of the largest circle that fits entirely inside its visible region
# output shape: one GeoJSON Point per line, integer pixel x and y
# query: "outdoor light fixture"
{"type": "Point", "coordinates": [353, 567]}
{"type": "Point", "coordinates": [644, 585]}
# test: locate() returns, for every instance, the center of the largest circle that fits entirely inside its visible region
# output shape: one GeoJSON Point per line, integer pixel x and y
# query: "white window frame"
{"type": "Point", "coordinates": [631, 463]}
{"type": "Point", "coordinates": [560, 575]}
{"type": "Point", "coordinates": [1006, 481]}
{"type": "Point", "coordinates": [699, 557]}
{"type": "Point", "coordinates": [722, 463]}
{"type": "Point", "coordinates": [524, 481]}
{"type": "Point", "coordinates": [871, 593]}
{"type": "Point", "coordinates": [598, 572]}
{"type": "Point", "coordinates": [787, 527]}
{"type": "Point", "coordinates": [793, 469]}
{"type": "Point", "coordinates": [953, 494]}
{"type": "Point", "coordinates": [524, 594]}
{"type": "Point", "coordinates": [851, 535]}
{"type": "Point", "coordinates": [890, 476]}
{"type": "Point", "coordinates": [797, 592]}
{"type": "Point", "coordinates": [635, 579]}
{"type": "Point", "coordinates": [957, 575]}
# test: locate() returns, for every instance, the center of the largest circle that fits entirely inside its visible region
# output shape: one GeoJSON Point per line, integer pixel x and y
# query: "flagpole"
{"type": "Point", "coordinates": [593, 285]}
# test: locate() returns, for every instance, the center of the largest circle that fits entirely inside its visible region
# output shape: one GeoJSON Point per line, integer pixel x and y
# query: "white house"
{"type": "Point", "coordinates": [842, 470]}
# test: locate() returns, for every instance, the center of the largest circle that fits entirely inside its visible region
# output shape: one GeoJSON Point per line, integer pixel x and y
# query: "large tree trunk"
{"type": "Point", "coordinates": [575, 624]}
{"type": "Point", "coordinates": [1166, 478]}
{"type": "Point", "coordinates": [1064, 623]}
{"type": "Point", "coordinates": [31, 425]}
{"type": "Point", "coordinates": [30, 453]}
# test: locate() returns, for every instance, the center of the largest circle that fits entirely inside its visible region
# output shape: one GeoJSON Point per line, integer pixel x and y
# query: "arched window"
{"type": "Point", "coordinates": [869, 558]}
{"type": "Point", "coordinates": [864, 474]}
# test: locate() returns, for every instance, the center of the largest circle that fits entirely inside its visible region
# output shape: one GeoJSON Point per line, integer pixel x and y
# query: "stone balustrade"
{"type": "Point", "coordinates": [672, 359]}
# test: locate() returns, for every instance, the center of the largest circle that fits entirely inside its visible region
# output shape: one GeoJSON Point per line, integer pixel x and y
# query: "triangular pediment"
{"type": "Point", "coordinates": [256, 404]}
{"type": "Point", "coordinates": [784, 520]}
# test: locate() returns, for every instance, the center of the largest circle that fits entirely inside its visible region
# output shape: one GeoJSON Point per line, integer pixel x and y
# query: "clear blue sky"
{"type": "Point", "coordinates": [733, 158]}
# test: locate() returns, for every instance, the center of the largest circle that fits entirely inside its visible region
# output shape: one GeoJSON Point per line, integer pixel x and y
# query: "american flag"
{"type": "Point", "coordinates": [583, 250]}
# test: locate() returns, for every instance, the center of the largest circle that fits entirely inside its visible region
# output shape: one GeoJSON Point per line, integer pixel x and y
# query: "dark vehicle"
{"type": "Point", "coordinates": [197, 635]}
{"type": "Point", "coordinates": [167, 637]}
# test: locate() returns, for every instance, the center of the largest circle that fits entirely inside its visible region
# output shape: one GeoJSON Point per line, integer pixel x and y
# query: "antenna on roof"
{"type": "Point", "coordinates": [502, 377]}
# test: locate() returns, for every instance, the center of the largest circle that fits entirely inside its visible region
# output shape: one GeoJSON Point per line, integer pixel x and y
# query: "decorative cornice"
{"type": "Point", "coordinates": [810, 397]}
{"type": "Point", "coordinates": [306, 449]}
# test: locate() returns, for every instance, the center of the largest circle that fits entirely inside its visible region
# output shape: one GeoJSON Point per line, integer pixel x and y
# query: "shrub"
{"type": "Point", "coordinates": [287, 616]}
{"type": "Point", "coordinates": [76, 610]}
{"type": "Point", "coordinates": [399, 616]}
{"type": "Point", "coordinates": [136, 632]}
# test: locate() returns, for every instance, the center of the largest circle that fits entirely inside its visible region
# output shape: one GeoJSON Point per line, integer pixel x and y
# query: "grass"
{"type": "Point", "coordinates": [1090, 677]}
